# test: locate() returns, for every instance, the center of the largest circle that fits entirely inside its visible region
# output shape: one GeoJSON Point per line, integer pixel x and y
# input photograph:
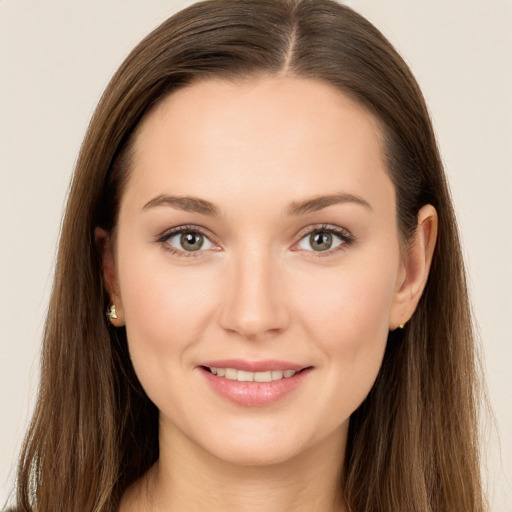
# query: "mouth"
{"type": "Point", "coordinates": [254, 384]}
{"type": "Point", "coordinates": [248, 376]}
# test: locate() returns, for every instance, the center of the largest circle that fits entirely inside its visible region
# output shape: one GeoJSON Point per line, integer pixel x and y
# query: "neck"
{"type": "Point", "coordinates": [187, 478]}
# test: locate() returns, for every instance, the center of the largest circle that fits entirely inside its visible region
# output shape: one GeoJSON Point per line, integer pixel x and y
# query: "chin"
{"type": "Point", "coordinates": [256, 455]}
{"type": "Point", "coordinates": [263, 444]}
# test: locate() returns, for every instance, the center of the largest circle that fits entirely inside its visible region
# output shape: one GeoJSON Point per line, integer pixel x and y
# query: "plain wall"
{"type": "Point", "coordinates": [57, 56]}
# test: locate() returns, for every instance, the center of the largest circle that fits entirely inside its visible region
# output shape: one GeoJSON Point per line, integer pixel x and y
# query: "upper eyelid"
{"type": "Point", "coordinates": [187, 228]}
{"type": "Point", "coordinates": [318, 228]}
{"type": "Point", "coordinates": [163, 240]}
{"type": "Point", "coordinates": [343, 234]}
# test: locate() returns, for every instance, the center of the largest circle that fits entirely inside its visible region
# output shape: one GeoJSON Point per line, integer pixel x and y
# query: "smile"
{"type": "Point", "coordinates": [247, 376]}
{"type": "Point", "coordinates": [254, 384]}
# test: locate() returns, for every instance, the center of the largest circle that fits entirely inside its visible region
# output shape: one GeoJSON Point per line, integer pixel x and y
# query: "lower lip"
{"type": "Point", "coordinates": [255, 394]}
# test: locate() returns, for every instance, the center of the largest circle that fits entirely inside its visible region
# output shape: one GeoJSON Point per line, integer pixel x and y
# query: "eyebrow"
{"type": "Point", "coordinates": [321, 202]}
{"type": "Point", "coordinates": [186, 203]}
{"type": "Point", "coordinates": [196, 205]}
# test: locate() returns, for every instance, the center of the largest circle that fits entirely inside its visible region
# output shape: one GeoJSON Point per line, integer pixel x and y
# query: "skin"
{"type": "Point", "coordinates": [257, 289]}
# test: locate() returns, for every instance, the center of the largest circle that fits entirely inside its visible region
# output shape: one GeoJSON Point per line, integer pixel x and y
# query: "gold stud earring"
{"type": "Point", "coordinates": [401, 326]}
{"type": "Point", "coordinates": [111, 313]}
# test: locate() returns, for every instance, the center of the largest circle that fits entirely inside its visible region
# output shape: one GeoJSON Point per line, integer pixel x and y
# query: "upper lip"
{"type": "Point", "coordinates": [254, 366]}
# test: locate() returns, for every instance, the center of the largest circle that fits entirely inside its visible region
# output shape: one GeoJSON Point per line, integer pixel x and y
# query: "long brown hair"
{"type": "Point", "coordinates": [413, 443]}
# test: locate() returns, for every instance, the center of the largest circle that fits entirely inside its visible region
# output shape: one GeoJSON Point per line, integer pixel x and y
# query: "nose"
{"type": "Point", "coordinates": [254, 305]}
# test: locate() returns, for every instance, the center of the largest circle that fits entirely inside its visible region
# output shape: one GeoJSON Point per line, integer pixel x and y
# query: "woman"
{"type": "Point", "coordinates": [260, 208]}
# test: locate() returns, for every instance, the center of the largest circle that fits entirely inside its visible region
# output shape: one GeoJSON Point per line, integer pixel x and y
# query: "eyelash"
{"type": "Point", "coordinates": [345, 236]}
{"type": "Point", "coordinates": [164, 237]}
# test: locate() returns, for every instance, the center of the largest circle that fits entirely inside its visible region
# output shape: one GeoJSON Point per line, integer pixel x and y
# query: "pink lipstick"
{"type": "Point", "coordinates": [253, 383]}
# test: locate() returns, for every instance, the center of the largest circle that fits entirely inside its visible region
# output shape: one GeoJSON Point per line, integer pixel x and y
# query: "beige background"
{"type": "Point", "coordinates": [56, 57]}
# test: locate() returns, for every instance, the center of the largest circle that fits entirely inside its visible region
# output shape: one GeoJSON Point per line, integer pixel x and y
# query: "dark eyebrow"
{"type": "Point", "coordinates": [187, 203]}
{"type": "Point", "coordinates": [320, 202]}
{"type": "Point", "coordinates": [194, 204]}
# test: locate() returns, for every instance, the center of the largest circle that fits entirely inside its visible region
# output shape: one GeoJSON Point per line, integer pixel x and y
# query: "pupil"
{"type": "Point", "coordinates": [321, 241]}
{"type": "Point", "coordinates": [192, 241]}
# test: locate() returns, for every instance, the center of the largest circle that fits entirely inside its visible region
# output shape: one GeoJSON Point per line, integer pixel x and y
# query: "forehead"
{"type": "Point", "coordinates": [260, 136]}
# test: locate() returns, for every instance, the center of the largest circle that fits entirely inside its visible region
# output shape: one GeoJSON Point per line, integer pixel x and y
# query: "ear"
{"type": "Point", "coordinates": [108, 265]}
{"type": "Point", "coordinates": [415, 267]}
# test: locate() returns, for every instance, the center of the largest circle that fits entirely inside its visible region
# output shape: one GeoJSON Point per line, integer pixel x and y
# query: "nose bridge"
{"type": "Point", "coordinates": [254, 304]}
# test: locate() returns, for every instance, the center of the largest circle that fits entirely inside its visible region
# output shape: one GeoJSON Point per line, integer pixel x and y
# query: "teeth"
{"type": "Point", "coordinates": [263, 377]}
{"type": "Point", "coordinates": [231, 374]}
{"type": "Point", "coordinates": [244, 376]}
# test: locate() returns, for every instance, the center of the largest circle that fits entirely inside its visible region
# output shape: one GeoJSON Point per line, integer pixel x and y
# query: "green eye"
{"type": "Point", "coordinates": [322, 240]}
{"type": "Point", "coordinates": [189, 241]}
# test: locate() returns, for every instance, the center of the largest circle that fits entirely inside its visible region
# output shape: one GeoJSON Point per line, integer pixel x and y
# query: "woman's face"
{"type": "Point", "coordinates": [257, 237]}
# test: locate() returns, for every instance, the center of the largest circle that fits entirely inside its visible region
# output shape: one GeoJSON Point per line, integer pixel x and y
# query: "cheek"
{"type": "Point", "coordinates": [350, 303]}
{"type": "Point", "coordinates": [347, 314]}
{"type": "Point", "coordinates": [166, 309]}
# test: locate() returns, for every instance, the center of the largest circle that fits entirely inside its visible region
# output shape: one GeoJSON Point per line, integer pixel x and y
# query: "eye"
{"type": "Point", "coordinates": [324, 239]}
{"type": "Point", "coordinates": [187, 240]}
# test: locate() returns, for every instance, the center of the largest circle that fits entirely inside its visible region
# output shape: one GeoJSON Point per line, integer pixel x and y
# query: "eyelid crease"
{"type": "Point", "coordinates": [185, 228]}
{"type": "Point", "coordinates": [343, 233]}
